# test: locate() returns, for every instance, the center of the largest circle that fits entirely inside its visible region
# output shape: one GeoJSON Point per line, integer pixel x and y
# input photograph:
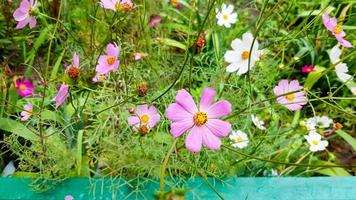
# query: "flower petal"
{"type": "Point", "coordinates": [210, 140]}
{"type": "Point", "coordinates": [179, 127]}
{"type": "Point", "coordinates": [219, 109]}
{"type": "Point", "coordinates": [184, 99]}
{"type": "Point", "coordinates": [133, 120]}
{"type": "Point", "coordinates": [194, 139]}
{"type": "Point", "coordinates": [176, 112]}
{"type": "Point", "coordinates": [218, 127]}
{"type": "Point", "coordinates": [207, 98]}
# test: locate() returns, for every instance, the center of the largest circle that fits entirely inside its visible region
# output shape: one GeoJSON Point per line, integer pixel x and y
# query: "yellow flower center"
{"type": "Point", "coordinates": [200, 118]}
{"type": "Point", "coordinates": [226, 17]}
{"type": "Point", "coordinates": [290, 97]}
{"type": "Point", "coordinates": [100, 77]}
{"type": "Point", "coordinates": [315, 142]}
{"type": "Point", "coordinates": [110, 60]}
{"type": "Point", "coordinates": [337, 30]}
{"type": "Point", "coordinates": [118, 6]}
{"type": "Point", "coordinates": [22, 87]}
{"type": "Point", "coordinates": [245, 55]}
{"type": "Point", "coordinates": [144, 118]}
{"type": "Point", "coordinates": [238, 139]}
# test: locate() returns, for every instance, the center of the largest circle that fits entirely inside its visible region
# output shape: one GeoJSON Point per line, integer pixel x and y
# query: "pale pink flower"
{"type": "Point", "coordinates": [73, 69]}
{"type": "Point", "coordinates": [99, 77]}
{"type": "Point", "coordinates": [292, 101]}
{"type": "Point", "coordinates": [24, 14]}
{"type": "Point", "coordinates": [27, 112]}
{"type": "Point", "coordinates": [61, 96]}
{"type": "Point", "coordinates": [154, 21]}
{"type": "Point", "coordinates": [110, 61]}
{"type": "Point", "coordinates": [140, 55]}
{"type": "Point", "coordinates": [202, 122]}
{"type": "Point", "coordinates": [68, 197]}
{"type": "Point", "coordinates": [24, 87]}
{"type": "Point", "coordinates": [117, 5]}
{"type": "Point", "coordinates": [75, 62]}
{"type": "Point", "coordinates": [146, 117]}
{"type": "Point", "coordinates": [336, 30]}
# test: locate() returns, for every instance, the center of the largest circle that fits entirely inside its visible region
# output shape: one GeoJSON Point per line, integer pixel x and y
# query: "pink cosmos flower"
{"type": "Point", "coordinates": [99, 77]}
{"type": "Point", "coordinates": [202, 122]}
{"type": "Point", "coordinates": [110, 61]}
{"type": "Point", "coordinates": [61, 95]}
{"type": "Point", "coordinates": [24, 87]}
{"type": "Point", "coordinates": [68, 197]}
{"type": "Point", "coordinates": [146, 117]}
{"type": "Point", "coordinates": [308, 68]}
{"type": "Point", "coordinates": [117, 5]}
{"type": "Point", "coordinates": [24, 14]}
{"type": "Point", "coordinates": [176, 4]}
{"type": "Point", "coordinates": [154, 21]}
{"type": "Point", "coordinates": [27, 112]}
{"type": "Point", "coordinates": [73, 69]}
{"type": "Point", "coordinates": [336, 30]}
{"type": "Point", "coordinates": [140, 55]}
{"type": "Point", "coordinates": [292, 101]}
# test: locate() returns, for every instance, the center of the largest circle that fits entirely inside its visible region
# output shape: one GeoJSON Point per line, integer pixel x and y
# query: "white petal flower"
{"type": "Point", "coordinates": [315, 142]}
{"type": "Point", "coordinates": [320, 122]}
{"type": "Point", "coordinates": [239, 139]}
{"type": "Point", "coordinates": [27, 112]}
{"type": "Point", "coordinates": [239, 55]}
{"type": "Point", "coordinates": [335, 54]}
{"type": "Point", "coordinates": [353, 90]}
{"type": "Point", "coordinates": [258, 123]}
{"type": "Point", "coordinates": [226, 16]}
{"type": "Point", "coordinates": [342, 72]}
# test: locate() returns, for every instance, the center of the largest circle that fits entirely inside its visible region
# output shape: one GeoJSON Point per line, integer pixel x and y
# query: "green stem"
{"type": "Point", "coordinates": [164, 165]}
{"type": "Point", "coordinates": [287, 163]}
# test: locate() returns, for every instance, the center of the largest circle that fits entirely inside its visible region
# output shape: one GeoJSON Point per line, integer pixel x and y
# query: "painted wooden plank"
{"type": "Point", "coordinates": [316, 188]}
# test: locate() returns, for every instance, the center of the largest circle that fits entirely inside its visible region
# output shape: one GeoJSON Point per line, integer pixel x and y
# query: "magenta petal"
{"type": "Point", "coordinates": [61, 96]}
{"type": "Point", "coordinates": [194, 139]}
{"type": "Point", "coordinates": [210, 140]}
{"type": "Point", "coordinates": [219, 109]}
{"type": "Point", "coordinates": [133, 120]}
{"type": "Point", "coordinates": [76, 59]}
{"type": "Point", "coordinates": [19, 15]}
{"type": "Point", "coordinates": [218, 127]}
{"type": "Point", "coordinates": [343, 42]}
{"type": "Point", "coordinates": [179, 127]}
{"type": "Point", "coordinates": [142, 109]}
{"type": "Point", "coordinates": [175, 112]}
{"type": "Point", "coordinates": [33, 22]}
{"type": "Point", "coordinates": [184, 99]}
{"type": "Point", "coordinates": [207, 98]}
{"type": "Point", "coordinates": [22, 23]}
{"type": "Point", "coordinates": [153, 120]}
{"type": "Point", "coordinates": [112, 50]}
{"type": "Point", "coordinates": [24, 6]}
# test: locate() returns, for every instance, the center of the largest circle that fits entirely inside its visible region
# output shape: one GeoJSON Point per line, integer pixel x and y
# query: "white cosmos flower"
{"type": "Point", "coordinates": [239, 139]}
{"type": "Point", "coordinates": [258, 123]}
{"type": "Point", "coordinates": [320, 122]}
{"type": "Point", "coordinates": [315, 142]}
{"type": "Point", "coordinates": [238, 57]}
{"type": "Point", "coordinates": [226, 16]}
{"type": "Point", "coordinates": [341, 68]}
{"type": "Point", "coordinates": [353, 90]}
{"type": "Point", "coordinates": [342, 72]}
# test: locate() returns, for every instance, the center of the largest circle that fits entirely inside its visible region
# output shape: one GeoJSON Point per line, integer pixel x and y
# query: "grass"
{"type": "Point", "coordinates": [89, 136]}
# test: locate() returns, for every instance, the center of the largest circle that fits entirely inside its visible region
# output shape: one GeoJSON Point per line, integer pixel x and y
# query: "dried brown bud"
{"type": "Point", "coordinates": [73, 72]}
{"type": "Point", "coordinates": [131, 110]}
{"type": "Point", "coordinates": [338, 126]}
{"type": "Point", "coordinates": [200, 43]}
{"type": "Point", "coordinates": [142, 89]}
{"type": "Point", "coordinates": [143, 130]}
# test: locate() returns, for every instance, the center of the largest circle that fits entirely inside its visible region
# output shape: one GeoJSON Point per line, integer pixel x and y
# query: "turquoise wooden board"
{"type": "Point", "coordinates": [315, 188]}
